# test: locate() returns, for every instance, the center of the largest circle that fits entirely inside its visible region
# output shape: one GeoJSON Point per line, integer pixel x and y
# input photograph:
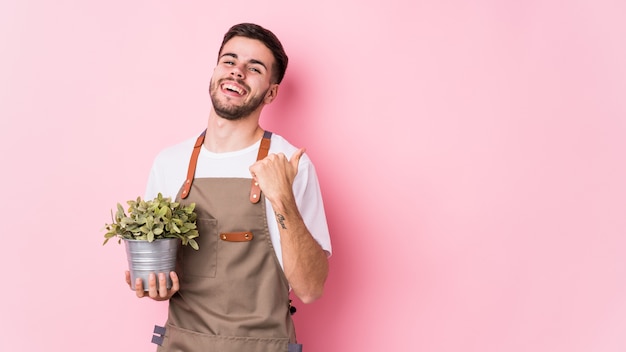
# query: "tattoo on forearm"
{"type": "Point", "coordinates": [281, 220]}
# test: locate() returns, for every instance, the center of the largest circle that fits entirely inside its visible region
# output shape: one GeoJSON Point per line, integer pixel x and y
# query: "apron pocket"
{"type": "Point", "coordinates": [202, 262]}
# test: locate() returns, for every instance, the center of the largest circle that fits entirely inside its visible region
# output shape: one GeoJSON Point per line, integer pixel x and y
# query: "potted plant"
{"type": "Point", "coordinates": [152, 232]}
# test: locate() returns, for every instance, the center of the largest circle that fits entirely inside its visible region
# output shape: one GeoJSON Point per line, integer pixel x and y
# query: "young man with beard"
{"type": "Point", "coordinates": [263, 230]}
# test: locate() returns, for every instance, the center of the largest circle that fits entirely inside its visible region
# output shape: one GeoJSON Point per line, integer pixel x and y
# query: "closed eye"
{"type": "Point", "coordinates": [228, 59]}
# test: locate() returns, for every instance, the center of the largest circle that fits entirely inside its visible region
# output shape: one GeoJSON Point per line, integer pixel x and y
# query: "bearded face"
{"type": "Point", "coordinates": [238, 102]}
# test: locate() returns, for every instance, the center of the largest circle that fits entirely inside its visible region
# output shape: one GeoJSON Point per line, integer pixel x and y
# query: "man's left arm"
{"type": "Point", "coordinates": [305, 263]}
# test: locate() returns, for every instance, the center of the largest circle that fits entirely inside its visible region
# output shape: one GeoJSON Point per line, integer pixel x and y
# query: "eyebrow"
{"type": "Point", "coordinates": [252, 61]}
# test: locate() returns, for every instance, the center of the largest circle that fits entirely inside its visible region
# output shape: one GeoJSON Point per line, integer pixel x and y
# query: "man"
{"type": "Point", "coordinates": [263, 230]}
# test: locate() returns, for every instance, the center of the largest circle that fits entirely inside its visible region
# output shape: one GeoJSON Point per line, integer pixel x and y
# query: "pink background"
{"type": "Point", "coordinates": [471, 155]}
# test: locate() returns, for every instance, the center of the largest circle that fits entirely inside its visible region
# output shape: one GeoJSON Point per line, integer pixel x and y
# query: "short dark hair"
{"type": "Point", "coordinates": [254, 31]}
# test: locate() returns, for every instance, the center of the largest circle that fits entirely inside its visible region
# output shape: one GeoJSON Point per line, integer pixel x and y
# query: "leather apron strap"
{"type": "Point", "coordinates": [255, 191]}
{"type": "Point", "coordinates": [264, 148]}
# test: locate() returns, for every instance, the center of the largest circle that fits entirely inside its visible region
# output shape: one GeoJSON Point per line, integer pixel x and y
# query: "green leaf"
{"type": "Point", "coordinates": [152, 219]}
{"type": "Point", "coordinates": [162, 211]}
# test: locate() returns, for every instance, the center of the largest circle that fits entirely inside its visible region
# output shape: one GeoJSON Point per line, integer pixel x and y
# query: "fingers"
{"type": "Point", "coordinates": [277, 159]}
{"type": "Point", "coordinates": [175, 284]}
{"type": "Point", "coordinates": [275, 175]}
{"type": "Point", "coordinates": [139, 288]}
{"type": "Point", "coordinates": [138, 285]}
{"type": "Point", "coordinates": [295, 158]}
{"type": "Point", "coordinates": [157, 289]}
{"type": "Point", "coordinates": [162, 293]}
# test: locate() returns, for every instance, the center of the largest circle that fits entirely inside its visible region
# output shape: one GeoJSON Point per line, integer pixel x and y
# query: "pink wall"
{"type": "Point", "coordinates": [471, 155]}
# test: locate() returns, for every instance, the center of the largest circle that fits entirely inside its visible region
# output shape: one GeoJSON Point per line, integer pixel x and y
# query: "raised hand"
{"type": "Point", "coordinates": [275, 175]}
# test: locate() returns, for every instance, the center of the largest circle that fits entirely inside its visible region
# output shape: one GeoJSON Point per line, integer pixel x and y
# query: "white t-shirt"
{"type": "Point", "coordinates": [169, 171]}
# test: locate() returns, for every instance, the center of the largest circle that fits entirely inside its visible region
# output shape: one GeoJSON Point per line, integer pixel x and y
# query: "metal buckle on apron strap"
{"type": "Point", "coordinates": [158, 338]}
{"type": "Point", "coordinates": [292, 308]}
{"type": "Point", "coordinates": [295, 347]}
{"type": "Point", "coordinates": [237, 236]}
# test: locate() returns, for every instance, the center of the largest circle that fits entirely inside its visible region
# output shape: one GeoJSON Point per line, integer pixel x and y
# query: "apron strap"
{"type": "Point", "coordinates": [255, 191]}
{"type": "Point", "coordinates": [192, 165]}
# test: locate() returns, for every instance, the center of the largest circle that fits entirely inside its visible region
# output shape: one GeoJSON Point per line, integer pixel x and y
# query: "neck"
{"type": "Point", "coordinates": [226, 136]}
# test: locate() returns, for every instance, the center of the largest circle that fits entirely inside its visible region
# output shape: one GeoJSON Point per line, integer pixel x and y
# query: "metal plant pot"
{"type": "Point", "coordinates": [158, 256]}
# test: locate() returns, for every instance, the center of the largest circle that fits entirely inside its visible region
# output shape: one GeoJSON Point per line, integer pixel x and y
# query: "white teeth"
{"type": "Point", "coordinates": [233, 88]}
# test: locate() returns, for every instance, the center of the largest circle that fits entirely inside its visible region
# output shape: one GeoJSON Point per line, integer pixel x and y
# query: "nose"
{"type": "Point", "coordinates": [237, 71]}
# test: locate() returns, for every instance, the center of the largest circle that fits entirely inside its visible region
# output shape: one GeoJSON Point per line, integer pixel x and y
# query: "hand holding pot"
{"type": "Point", "coordinates": [156, 292]}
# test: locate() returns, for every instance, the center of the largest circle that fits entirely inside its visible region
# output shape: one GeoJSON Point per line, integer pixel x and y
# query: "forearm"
{"type": "Point", "coordinates": [304, 261]}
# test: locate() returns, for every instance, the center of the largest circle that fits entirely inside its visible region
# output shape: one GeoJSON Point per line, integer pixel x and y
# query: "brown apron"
{"type": "Point", "coordinates": [233, 293]}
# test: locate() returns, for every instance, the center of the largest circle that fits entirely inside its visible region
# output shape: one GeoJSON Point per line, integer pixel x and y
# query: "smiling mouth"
{"type": "Point", "coordinates": [233, 88]}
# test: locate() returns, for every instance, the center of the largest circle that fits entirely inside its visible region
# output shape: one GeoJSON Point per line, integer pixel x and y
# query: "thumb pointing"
{"type": "Point", "coordinates": [295, 158]}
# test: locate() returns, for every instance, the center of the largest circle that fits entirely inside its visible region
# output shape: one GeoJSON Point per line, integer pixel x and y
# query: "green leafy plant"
{"type": "Point", "coordinates": [154, 219]}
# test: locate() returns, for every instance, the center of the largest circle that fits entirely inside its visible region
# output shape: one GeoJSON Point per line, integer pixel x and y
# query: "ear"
{"type": "Point", "coordinates": [271, 94]}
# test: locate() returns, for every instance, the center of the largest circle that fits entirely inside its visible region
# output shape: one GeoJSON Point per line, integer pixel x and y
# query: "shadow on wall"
{"type": "Point", "coordinates": [330, 315]}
